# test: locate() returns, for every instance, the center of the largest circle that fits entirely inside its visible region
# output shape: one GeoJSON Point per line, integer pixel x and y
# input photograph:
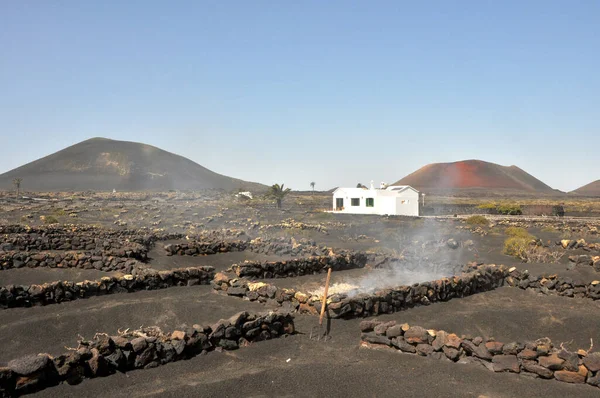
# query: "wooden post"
{"type": "Point", "coordinates": [325, 297]}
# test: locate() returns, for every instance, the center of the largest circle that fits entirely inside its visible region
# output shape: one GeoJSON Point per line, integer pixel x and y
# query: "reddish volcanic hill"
{"type": "Point", "coordinates": [474, 174]}
{"type": "Point", "coordinates": [591, 189]}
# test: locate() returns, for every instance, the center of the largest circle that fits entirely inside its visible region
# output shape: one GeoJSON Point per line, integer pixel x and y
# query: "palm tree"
{"type": "Point", "coordinates": [17, 183]}
{"type": "Point", "coordinates": [312, 185]}
{"type": "Point", "coordinates": [277, 192]}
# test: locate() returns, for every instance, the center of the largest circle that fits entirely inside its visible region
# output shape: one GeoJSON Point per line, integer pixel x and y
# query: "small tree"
{"type": "Point", "coordinates": [278, 192]}
{"type": "Point", "coordinates": [312, 185]}
{"type": "Point", "coordinates": [17, 183]}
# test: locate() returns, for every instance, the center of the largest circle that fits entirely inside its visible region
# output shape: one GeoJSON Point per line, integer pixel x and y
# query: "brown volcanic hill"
{"type": "Point", "coordinates": [474, 174]}
{"type": "Point", "coordinates": [102, 164]}
{"type": "Point", "coordinates": [591, 189]}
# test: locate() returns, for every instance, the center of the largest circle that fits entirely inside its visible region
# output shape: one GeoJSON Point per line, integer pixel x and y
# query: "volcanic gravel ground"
{"type": "Point", "coordinates": [336, 368]}
{"type": "Point", "coordinates": [39, 275]}
{"type": "Point", "coordinates": [583, 273]}
{"type": "Point", "coordinates": [50, 328]}
{"type": "Point", "coordinates": [221, 261]}
{"type": "Point", "coordinates": [511, 314]}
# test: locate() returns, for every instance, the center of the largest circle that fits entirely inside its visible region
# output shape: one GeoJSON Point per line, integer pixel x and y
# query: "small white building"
{"type": "Point", "coordinates": [392, 200]}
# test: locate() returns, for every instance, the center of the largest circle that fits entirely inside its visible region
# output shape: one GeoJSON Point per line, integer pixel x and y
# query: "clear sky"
{"type": "Point", "coordinates": [336, 92]}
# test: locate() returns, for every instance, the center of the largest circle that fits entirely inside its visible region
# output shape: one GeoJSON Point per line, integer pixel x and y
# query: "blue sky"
{"type": "Point", "coordinates": [335, 92]}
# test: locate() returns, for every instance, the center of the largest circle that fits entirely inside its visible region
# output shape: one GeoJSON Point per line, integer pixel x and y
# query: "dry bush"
{"type": "Point", "coordinates": [517, 247]}
{"type": "Point", "coordinates": [49, 219]}
{"type": "Point", "coordinates": [477, 220]}
{"type": "Point", "coordinates": [526, 250]}
{"type": "Point", "coordinates": [517, 232]}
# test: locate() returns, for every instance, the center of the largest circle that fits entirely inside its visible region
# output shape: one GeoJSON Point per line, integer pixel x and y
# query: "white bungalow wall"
{"type": "Point", "coordinates": [385, 201]}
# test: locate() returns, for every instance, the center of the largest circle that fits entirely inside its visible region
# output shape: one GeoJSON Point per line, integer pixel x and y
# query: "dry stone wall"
{"type": "Point", "coordinates": [100, 261]}
{"type": "Point", "coordinates": [282, 246]}
{"type": "Point", "coordinates": [540, 359]}
{"type": "Point", "coordinates": [61, 291]}
{"type": "Point", "coordinates": [75, 237]}
{"type": "Point", "coordinates": [484, 278]}
{"type": "Point", "coordinates": [141, 349]}
{"type": "Point", "coordinates": [586, 260]}
{"type": "Point", "coordinates": [554, 284]}
{"type": "Point", "coordinates": [298, 267]}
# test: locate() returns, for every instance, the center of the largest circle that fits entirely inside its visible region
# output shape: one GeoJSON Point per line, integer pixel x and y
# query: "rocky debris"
{"type": "Point", "coordinates": [293, 224]}
{"type": "Point", "coordinates": [452, 244]}
{"type": "Point", "coordinates": [56, 292]}
{"type": "Point", "coordinates": [546, 362]}
{"type": "Point", "coordinates": [140, 349]}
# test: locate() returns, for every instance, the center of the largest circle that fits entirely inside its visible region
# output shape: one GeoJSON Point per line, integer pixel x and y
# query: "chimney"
{"type": "Point", "coordinates": [383, 185]}
{"type": "Point", "coordinates": [372, 186]}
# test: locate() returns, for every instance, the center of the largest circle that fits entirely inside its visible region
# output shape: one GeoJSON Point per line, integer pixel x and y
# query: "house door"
{"type": "Point", "coordinates": [339, 203]}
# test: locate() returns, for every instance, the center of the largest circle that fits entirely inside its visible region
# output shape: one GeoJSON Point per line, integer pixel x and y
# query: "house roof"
{"type": "Point", "coordinates": [397, 189]}
{"type": "Point", "coordinates": [400, 188]}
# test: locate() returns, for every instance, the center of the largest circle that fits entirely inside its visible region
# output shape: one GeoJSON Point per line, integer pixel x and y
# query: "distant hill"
{"type": "Point", "coordinates": [474, 175]}
{"type": "Point", "coordinates": [591, 189]}
{"type": "Point", "coordinates": [102, 164]}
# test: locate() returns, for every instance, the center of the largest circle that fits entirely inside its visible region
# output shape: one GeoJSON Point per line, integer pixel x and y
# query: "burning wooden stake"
{"type": "Point", "coordinates": [325, 297]}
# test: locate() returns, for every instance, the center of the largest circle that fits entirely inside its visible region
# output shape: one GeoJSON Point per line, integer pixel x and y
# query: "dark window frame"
{"type": "Point", "coordinates": [354, 202]}
{"type": "Point", "coordinates": [370, 202]}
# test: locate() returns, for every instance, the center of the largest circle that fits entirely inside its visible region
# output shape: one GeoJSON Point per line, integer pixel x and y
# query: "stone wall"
{"type": "Point", "coordinates": [281, 246]}
{"type": "Point", "coordinates": [554, 284]}
{"type": "Point", "coordinates": [194, 248]}
{"type": "Point", "coordinates": [578, 244]}
{"type": "Point", "coordinates": [443, 209]}
{"type": "Point", "coordinates": [57, 292]}
{"type": "Point", "coordinates": [141, 349]}
{"type": "Point", "coordinates": [100, 261]}
{"type": "Point", "coordinates": [298, 267]}
{"type": "Point", "coordinates": [586, 260]}
{"type": "Point", "coordinates": [75, 237]}
{"type": "Point", "coordinates": [385, 301]}
{"type": "Point", "coordinates": [540, 359]}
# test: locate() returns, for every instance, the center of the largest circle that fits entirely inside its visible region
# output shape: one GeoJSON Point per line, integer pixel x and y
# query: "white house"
{"type": "Point", "coordinates": [393, 200]}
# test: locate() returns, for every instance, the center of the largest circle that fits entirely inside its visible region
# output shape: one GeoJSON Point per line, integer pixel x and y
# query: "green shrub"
{"type": "Point", "coordinates": [487, 206]}
{"type": "Point", "coordinates": [509, 209]}
{"type": "Point", "coordinates": [477, 220]}
{"type": "Point", "coordinates": [517, 232]}
{"type": "Point", "coordinates": [517, 247]}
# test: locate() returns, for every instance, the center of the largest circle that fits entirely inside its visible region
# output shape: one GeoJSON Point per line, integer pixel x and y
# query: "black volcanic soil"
{"type": "Point", "coordinates": [339, 368]}
{"type": "Point", "coordinates": [27, 276]}
{"type": "Point", "coordinates": [334, 368]}
{"type": "Point", "coordinates": [51, 328]}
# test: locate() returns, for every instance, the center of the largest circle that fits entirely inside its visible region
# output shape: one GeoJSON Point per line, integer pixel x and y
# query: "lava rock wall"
{"type": "Point", "coordinates": [540, 359]}
{"type": "Point", "coordinates": [142, 349]}
{"type": "Point", "coordinates": [57, 292]}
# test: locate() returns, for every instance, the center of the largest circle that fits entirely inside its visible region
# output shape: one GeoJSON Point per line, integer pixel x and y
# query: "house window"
{"type": "Point", "coordinates": [339, 203]}
{"type": "Point", "coordinates": [370, 202]}
{"type": "Point", "coordinates": [355, 202]}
